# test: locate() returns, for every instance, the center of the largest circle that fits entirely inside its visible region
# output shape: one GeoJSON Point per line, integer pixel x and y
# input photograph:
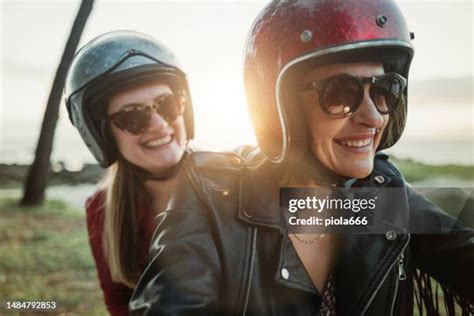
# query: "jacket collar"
{"type": "Point", "coordinates": [259, 197]}
{"type": "Point", "coordinates": [259, 193]}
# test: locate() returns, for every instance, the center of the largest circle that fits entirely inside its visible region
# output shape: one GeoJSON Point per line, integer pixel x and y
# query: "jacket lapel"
{"type": "Point", "coordinates": [370, 258]}
{"type": "Point", "coordinates": [259, 198]}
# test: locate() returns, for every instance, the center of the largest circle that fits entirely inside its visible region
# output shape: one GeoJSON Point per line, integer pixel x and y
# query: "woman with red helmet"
{"type": "Point", "coordinates": [128, 97]}
{"type": "Point", "coordinates": [326, 83]}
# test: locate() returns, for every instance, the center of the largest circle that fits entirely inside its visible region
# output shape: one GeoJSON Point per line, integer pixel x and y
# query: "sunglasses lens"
{"type": "Point", "coordinates": [341, 95]}
{"type": "Point", "coordinates": [386, 93]}
{"type": "Point", "coordinates": [133, 121]}
{"type": "Point", "coordinates": [137, 120]}
{"type": "Point", "coordinates": [169, 108]}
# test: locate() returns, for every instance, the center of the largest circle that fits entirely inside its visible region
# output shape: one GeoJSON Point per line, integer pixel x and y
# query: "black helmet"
{"type": "Point", "coordinates": [110, 62]}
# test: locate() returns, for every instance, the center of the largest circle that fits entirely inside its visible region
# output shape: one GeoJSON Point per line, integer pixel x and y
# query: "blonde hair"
{"type": "Point", "coordinates": [124, 196]}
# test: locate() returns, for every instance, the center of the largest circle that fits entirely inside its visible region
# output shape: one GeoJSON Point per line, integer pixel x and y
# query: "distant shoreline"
{"type": "Point", "coordinates": [12, 175]}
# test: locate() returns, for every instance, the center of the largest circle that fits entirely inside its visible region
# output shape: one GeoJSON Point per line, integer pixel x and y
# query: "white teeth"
{"type": "Point", "coordinates": [158, 141]}
{"type": "Point", "coordinates": [356, 143]}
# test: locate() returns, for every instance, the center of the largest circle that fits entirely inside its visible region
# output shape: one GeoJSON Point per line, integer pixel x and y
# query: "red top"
{"type": "Point", "coordinates": [116, 295]}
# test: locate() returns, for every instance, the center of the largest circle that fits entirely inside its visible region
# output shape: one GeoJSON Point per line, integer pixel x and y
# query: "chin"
{"type": "Point", "coordinates": [166, 161]}
{"type": "Point", "coordinates": [360, 174]}
{"type": "Point", "coordinates": [359, 171]}
{"type": "Point", "coordinates": [165, 164]}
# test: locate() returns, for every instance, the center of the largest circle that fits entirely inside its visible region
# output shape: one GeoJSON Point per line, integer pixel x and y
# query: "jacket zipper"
{"type": "Point", "coordinates": [401, 276]}
{"type": "Point", "coordinates": [252, 263]}
{"type": "Point", "coordinates": [366, 307]}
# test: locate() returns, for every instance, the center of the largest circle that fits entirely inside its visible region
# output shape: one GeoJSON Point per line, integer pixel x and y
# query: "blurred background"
{"type": "Point", "coordinates": [208, 37]}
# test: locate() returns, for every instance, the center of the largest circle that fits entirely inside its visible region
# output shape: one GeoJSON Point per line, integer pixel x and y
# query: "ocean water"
{"type": "Point", "coordinates": [18, 142]}
{"type": "Point", "coordinates": [18, 139]}
{"type": "Point", "coordinates": [74, 195]}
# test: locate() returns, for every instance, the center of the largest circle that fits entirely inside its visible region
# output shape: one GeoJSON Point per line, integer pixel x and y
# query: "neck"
{"type": "Point", "coordinates": [160, 191]}
{"type": "Point", "coordinates": [310, 171]}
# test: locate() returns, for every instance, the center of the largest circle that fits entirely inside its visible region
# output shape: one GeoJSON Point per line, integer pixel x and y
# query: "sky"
{"type": "Point", "coordinates": [208, 38]}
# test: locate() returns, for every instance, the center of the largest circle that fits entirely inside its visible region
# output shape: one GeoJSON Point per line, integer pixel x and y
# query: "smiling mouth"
{"type": "Point", "coordinates": [157, 142]}
{"type": "Point", "coordinates": [355, 143]}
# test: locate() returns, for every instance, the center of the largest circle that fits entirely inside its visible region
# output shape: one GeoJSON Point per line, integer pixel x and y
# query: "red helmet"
{"type": "Point", "coordinates": [290, 35]}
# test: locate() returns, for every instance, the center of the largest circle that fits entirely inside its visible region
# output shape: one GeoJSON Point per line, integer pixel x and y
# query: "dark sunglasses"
{"type": "Point", "coordinates": [341, 95]}
{"type": "Point", "coordinates": [135, 118]}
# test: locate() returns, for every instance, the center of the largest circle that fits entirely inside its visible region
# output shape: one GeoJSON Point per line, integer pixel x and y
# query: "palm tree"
{"type": "Point", "coordinates": [38, 173]}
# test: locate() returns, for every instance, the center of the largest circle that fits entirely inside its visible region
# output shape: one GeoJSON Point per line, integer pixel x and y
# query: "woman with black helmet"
{"type": "Point", "coordinates": [326, 86]}
{"type": "Point", "coordinates": [129, 99]}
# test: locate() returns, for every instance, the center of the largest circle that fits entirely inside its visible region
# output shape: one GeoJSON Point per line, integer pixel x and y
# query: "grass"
{"type": "Point", "coordinates": [45, 256]}
{"type": "Point", "coordinates": [416, 171]}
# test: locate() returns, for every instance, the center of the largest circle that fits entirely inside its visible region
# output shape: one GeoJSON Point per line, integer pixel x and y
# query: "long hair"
{"type": "Point", "coordinates": [124, 197]}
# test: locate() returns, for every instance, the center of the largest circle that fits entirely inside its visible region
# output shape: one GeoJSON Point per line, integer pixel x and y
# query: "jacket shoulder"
{"type": "Point", "coordinates": [221, 170]}
{"type": "Point", "coordinates": [95, 202]}
{"type": "Point", "coordinates": [95, 206]}
{"type": "Point", "coordinates": [223, 159]}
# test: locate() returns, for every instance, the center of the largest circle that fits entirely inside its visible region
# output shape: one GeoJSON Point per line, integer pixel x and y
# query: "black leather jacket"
{"type": "Point", "coordinates": [221, 249]}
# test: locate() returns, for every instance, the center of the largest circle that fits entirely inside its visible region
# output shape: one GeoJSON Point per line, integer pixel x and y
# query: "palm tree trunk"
{"type": "Point", "coordinates": [37, 178]}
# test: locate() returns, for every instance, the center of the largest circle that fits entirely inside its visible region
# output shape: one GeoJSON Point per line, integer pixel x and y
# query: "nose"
{"type": "Point", "coordinates": [367, 113]}
{"type": "Point", "coordinates": [157, 123]}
